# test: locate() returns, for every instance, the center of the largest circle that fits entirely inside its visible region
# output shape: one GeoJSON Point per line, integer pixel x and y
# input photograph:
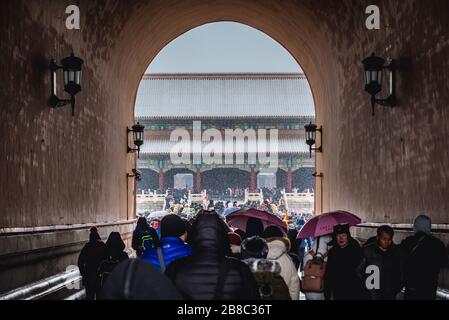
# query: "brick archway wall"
{"type": "Point", "coordinates": [56, 169]}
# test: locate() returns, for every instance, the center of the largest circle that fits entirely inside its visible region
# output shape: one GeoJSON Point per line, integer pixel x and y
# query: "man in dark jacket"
{"type": "Point", "coordinates": [385, 256]}
{"type": "Point", "coordinates": [208, 274]}
{"type": "Point", "coordinates": [343, 277]}
{"type": "Point", "coordinates": [172, 247]}
{"type": "Point", "coordinates": [424, 256]}
{"type": "Point", "coordinates": [88, 262]}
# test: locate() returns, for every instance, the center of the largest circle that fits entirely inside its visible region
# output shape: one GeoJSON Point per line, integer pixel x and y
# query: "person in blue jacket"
{"type": "Point", "coordinates": [172, 243]}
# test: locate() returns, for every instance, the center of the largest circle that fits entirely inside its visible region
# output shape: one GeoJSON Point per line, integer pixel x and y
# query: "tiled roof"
{"type": "Point", "coordinates": [200, 96]}
{"type": "Point", "coordinates": [163, 147]}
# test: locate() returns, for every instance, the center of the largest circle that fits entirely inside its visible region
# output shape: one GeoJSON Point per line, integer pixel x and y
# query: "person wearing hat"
{"type": "Point", "coordinates": [343, 279]}
{"type": "Point", "coordinates": [172, 244]}
{"type": "Point", "coordinates": [423, 257]}
{"type": "Point", "coordinates": [88, 262]}
{"type": "Point", "coordinates": [266, 272]}
{"type": "Point", "coordinates": [278, 249]}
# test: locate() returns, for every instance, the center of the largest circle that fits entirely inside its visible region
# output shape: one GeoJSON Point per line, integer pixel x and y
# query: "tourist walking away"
{"type": "Point", "coordinates": [114, 254]}
{"type": "Point", "coordinates": [88, 262]}
{"type": "Point", "coordinates": [314, 263]}
{"type": "Point", "coordinates": [135, 279]}
{"type": "Point", "coordinates": [267, 272]}
{"type": "Point", "coordinates": [208, 274]}
{"type": "Point", "coordinates": [423, 257]}
{"type": "Point", "coordinates": [382, 266]}
{"type": "Point", "coordinates": [172, 244]}
{"type": "Point", "coordinates": [278, 248]}
{"type": "Point", "coordinates": [294, 247]}
{"type": "Point", "coordinates": [343, 277]}
{"type": "Point", "coordinates": [142, 228]}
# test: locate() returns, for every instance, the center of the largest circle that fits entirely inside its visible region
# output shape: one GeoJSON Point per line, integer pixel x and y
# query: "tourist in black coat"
{"type": "Point", "coordinates": [208, 274]}
{"type": "Point", "coordinates": [423, 258]}
{"type": "Point", "coordinates": [385, 255]}
{"type": "Point", "coordinates": [343, 276]}
{"type": "Point", "coordinates": [88, 262]}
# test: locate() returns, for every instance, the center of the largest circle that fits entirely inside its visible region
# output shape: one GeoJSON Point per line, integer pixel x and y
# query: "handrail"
{"type": "Point", "coordinates": [43, 229]}
{"type": "Point", "coordinates": [44, 287]}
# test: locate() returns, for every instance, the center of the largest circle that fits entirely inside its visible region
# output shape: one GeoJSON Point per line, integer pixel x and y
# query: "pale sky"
{"type": "Point", "coordinates": [224, 47]}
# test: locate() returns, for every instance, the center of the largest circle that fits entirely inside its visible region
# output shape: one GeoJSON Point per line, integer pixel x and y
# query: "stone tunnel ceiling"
{"type": "Point", "coordinates": [55, 169]}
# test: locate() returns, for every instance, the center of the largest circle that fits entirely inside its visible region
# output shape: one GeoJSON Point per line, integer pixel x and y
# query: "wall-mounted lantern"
{"type": "Point", "coordinates": [71, 67]}
{"type": "Point", "coordinates": [137, 131]}
{"type": "Point", "coordinates": [311, 130]}
{"type": "Point", "coordinates": [374, 67]}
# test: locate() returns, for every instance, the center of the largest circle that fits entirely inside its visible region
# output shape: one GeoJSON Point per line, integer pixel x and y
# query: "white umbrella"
{"type": "Point", "coordinates": [158, 214]}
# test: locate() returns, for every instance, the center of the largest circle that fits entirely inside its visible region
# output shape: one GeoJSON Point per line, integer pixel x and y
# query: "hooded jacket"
{"type": "Point", "coordinates": [197, 276]}
{"type": "Point", "coordinates": [135, 279]}
{"type": "Point", "coordinates": [423, 256]}
{"type": "Point", "coordinates": [268, 277]}
{"type": "Point", "coordinates": [278, 248]}
{"type": "Point", "coordinates": [90, 258]}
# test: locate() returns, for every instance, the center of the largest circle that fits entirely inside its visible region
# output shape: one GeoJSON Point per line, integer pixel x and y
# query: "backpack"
{"type": "Point", "coordinates": [313, 278]}
{"type": "Point", "coordinates": [105, 269]}
{"type": "Point", "coordinates": [271, 286]}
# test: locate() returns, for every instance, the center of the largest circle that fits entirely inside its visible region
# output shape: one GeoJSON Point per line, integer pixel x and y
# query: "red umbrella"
{"type": "Point", "coordinates": [239, 218]}
{"type": "Point", "coordinates": [324, 224]}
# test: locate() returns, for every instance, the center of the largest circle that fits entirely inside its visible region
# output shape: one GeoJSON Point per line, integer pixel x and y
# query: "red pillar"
{"type": "Point", "coordinates": [161, 179]}
{"type": "Point", "coordinates": [289, 180]}
{"type": "Point", "coordinates": [198, 181]}
{"type": "Point", "coordinates": [252, 181]}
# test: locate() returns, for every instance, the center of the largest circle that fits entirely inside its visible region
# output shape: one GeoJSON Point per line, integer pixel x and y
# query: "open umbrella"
{"type": "Point", "coordinates": [238, 219]}
{"type": "Point", "coordinates": [324, 224]}
{"type": "Point", "coordinates": [228, 211]}
{"type": "Point", "coordinates": [158, 214]}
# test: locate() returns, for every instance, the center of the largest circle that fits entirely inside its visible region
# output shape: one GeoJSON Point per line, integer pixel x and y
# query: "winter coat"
{"type": "Point", "coordinates": [141, 228]}
{"type": "Point", "coordinates": [114, 254]}
{"type": "Point", "coordinates": [89, 260]}
{"type": "Point", "coordinates": [268, 277]}
{"type": "Point", "coordinates": [173, 248]}
{"type": "Point", "coordinates": [320, 247]}
{"type": "Point", "coordinates": [389, 264]}
{"type": "Point", "coordinates": [343, 276]}
{"type": "Point", "coordinates": [208, 274]}
{"type": "Point", "coordinates": [278, 248]}
{"type": "Point", "coordinates": [423, 256]}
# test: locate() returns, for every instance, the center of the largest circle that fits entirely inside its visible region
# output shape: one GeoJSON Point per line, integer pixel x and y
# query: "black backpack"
{"type": "Point", "coordinates": [105, 269]}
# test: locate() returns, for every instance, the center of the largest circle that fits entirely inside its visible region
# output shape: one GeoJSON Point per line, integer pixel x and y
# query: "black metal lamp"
{"type": "Point", "coordinates": [374, 67]}
{"type": "Point", "coordinates": [71, 67]}
{"type": "Point", "coordinates": [138, 133]}
{"type": "Point", "coordinates": [311, 130]}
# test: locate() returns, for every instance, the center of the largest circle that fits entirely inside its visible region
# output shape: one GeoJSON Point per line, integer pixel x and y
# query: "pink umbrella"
{"type": "Point", "coordinates": [239, 218]}
{"type": "Point", "coordinates": [324, 224]}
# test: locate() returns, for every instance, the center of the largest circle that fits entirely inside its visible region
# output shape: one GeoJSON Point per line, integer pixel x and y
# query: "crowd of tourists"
{"type": "Point", "coordinates": [204, 258]}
